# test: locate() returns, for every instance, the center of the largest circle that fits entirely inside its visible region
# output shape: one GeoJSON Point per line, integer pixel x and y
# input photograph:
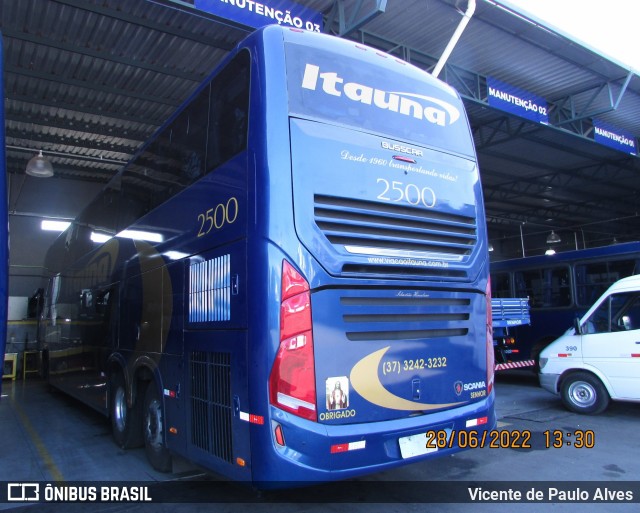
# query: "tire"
{"type": "Point", "coordinates": [126, 422]}
{"type": "Point", "coordinates": [584, 393]}
{"type": "Point", "coordinates": [154, 430]}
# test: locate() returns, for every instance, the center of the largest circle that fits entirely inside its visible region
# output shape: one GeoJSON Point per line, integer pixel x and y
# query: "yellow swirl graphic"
{"type": "Point", "coordinates": [365, 381]}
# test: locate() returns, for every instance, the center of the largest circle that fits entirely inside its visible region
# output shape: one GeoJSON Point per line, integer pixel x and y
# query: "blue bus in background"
{"type": "Point", "coordinates": [289, 282]}
{"type": "Point", "coordinates": [560, 287]}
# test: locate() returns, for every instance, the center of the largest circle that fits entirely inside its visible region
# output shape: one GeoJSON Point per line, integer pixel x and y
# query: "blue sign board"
{"type": "Point", "coordinates": [517, 101]}
{"type": "Point", "coordinates": [614, 138]}
{"type": "Point", "coordinates": [268, 12]}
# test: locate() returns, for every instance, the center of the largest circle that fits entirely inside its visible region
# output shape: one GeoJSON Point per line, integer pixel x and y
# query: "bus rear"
{"type": "Point", "coordinates": [369, 215]}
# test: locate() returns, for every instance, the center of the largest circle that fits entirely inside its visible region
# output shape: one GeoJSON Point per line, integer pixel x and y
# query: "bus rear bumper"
{"type": "Point", "coordinates": [315, 452]}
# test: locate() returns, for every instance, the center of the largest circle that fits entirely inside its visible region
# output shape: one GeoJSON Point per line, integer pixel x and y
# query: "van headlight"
{"type": "Point", "coordinates": [543, 362]}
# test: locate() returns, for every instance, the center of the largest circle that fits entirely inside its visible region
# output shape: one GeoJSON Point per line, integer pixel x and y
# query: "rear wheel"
{"type": "Point", "coordinates": [126, 421]}
{"type": "Point", "coordinates": [582, 392]}
{"type": "Point", "coordinates": [154, 430]}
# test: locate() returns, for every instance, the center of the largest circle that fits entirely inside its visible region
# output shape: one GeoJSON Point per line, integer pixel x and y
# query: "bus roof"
{"type": "Point", "coordinates": [625, 248]}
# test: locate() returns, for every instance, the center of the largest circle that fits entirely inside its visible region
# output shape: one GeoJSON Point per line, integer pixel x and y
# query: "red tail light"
{"type": "Point", "coordinates": [490, 356]}
{"type": "Point", "coordinates": [292, 383]}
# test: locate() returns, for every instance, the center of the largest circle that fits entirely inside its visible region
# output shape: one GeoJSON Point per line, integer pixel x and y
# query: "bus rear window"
{"type": "Point", "coordinates": [375, 93]}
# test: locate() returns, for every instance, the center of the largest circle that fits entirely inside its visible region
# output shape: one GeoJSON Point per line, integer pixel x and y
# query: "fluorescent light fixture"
{"type": "Point", "coordinates": [175, 255]}
{"type": "Point", "coordinates": [100, 237]}
{"type": "Point", "coordinates": [141, 235]}
{"type": "Point", "coordinates": [54, 226]}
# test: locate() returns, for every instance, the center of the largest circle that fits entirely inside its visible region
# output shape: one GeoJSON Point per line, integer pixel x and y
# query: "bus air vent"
{"type": "Point", "coordinates": [211, 403]}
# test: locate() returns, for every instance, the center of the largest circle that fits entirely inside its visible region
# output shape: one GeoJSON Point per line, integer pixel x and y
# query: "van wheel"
{"type": "Point", "coordinates": [582, 392]}
{"type": "Point", "coordinates": [154, 431]}
{"type": "Point", "coordinates": [126, 422]}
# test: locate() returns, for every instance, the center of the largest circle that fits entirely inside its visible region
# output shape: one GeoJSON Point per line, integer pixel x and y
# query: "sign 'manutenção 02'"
{"type": "Point", "coordinates": [517, 101]}
{"type": "Point", "coordinates": [258, 14]}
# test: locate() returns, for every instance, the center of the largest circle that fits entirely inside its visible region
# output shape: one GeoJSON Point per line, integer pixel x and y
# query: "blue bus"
{"type": "Point", "coordinates": [559, 287]}
{"type": "Point", "coordinates": [289, 282]}
{"type": "Point", "coordinates": [4, 225]}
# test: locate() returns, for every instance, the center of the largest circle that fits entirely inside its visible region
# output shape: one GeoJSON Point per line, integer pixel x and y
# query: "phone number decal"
{"type": "Point", "coordinates": [504, 439]}
{"type": "Point", "coordinates": [397, 366]}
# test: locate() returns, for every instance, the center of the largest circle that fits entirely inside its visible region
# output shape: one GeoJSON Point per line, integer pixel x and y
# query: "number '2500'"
{"type": "Point", "coordinates": [216, 217]}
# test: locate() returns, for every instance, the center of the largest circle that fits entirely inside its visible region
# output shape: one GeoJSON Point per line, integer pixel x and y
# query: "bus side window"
{"type": "Point", "coordinates": [501, 285]}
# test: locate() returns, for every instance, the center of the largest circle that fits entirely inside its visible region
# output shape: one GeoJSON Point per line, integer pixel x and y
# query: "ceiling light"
{"type": "Point", "coordinates": [550, 252]}
{"type": "Point", "coordinates": [39, 166]}
{"type": "Point", "coordinates": [553, 238]}
{"type": "Point", "coordinates": [140, 235]}
{"type": "Point", "coordinates": [54, 226]}
{"type": "Point", "coordinates": [100, 237]}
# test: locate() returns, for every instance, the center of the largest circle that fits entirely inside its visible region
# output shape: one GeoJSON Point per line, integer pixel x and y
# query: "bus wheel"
{"type": "Point", "coordinates": [126, 422]}
{"type": "Point", "coordinates": [582, 392]}
{"type": "Point", "coordinates": [154, 431]}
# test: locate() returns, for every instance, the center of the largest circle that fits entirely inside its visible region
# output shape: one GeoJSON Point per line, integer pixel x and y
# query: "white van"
{"type": "Point", "coordinates": [599, 358]}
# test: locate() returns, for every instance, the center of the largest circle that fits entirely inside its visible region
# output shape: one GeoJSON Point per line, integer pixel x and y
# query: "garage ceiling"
{"type": "Point", "coordinates": [88, 81]}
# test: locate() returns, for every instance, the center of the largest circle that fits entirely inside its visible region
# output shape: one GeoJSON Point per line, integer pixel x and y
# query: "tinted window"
{"type": "Point", "coordinates": [209, 131]}
{"type": "Point", "coordinates": [594, 278]}
{"type": "Point", "coordinates": [501, 285]}
{"type": "Point", "coordinates": [619, 312]}
{"type": "Point", "coordinates": [546, 288]}
{"type": "Point", "coordinates": [376, 94]}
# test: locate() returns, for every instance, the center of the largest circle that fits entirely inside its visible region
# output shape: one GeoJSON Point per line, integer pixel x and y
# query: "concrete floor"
{"type": "Point", "coordinates": [46, 437]}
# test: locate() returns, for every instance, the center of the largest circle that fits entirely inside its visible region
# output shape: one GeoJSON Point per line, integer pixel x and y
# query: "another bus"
{"type": "Point", "coordinates": [289, 281]}
{"type": "Point", "coordinates": [560, 288]}
{"type": "Point", "coordinates": [4, 225]}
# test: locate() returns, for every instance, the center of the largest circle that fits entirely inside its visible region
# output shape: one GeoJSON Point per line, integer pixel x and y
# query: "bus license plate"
{"type": "Point", "coordinates": [416, 445]}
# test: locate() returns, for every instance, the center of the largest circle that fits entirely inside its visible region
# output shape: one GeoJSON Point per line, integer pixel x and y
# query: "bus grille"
{"type": "Point", "coordinates": [405, 318]}
{"type": "Point", "coordinates": [211, 405]}
{"type": "Point", "coordinates": [399, 235]}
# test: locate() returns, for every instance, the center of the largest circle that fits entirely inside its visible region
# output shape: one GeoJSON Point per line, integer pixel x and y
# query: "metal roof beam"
{"type": "Point", "coordinates": [81, 109]}
{"type": "Point", "coordinates": [101, 55]}
{"type": "Point", "coordinates": [570, 114]}
{"type": "Point", "coordinates": [350, 16]}
{"type": "Point", "coordinates": [82, 126]}
{"type": "Point", "coordinates": [204, 38]}
{"type": "Point", "coordinates": [60, 79]}
{"type": "Point", "coordinates": [19, 137]}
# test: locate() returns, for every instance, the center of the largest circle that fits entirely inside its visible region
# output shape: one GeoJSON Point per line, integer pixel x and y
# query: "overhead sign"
{"type": "Point", "coordinates": [614, 137]}
{"type": "Point", "coordinates": [517, 101]}
{"type": "Point", "coordinates": [268, 12]}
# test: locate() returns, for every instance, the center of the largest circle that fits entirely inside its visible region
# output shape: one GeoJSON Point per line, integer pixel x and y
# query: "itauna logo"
{"type": "Point", "coordinates": [431, 109]}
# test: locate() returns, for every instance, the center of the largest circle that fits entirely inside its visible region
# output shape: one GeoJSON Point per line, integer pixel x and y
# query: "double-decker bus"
{"type": "Point", "coordinates": [560, 287]}
{"type": "Point", "coordinates": [296, 284]}
{"type": "Point", "coordinates": [4, 225]}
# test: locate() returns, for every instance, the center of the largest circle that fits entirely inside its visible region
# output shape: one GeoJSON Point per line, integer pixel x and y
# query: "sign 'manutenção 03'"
{"type": "Point", "coordinates": [258, 14]}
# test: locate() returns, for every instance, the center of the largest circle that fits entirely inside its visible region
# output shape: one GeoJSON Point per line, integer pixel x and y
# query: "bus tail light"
{"type": "Point", "coordinates": [490, 356]}
{"type": "Point", "coordinates": [292, 383]}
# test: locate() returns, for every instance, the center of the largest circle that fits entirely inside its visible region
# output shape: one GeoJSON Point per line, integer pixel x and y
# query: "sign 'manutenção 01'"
{"type": "Point", "coordinates": [614, 137]}
{"type": "Point", "coordinates": [258, 14]}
